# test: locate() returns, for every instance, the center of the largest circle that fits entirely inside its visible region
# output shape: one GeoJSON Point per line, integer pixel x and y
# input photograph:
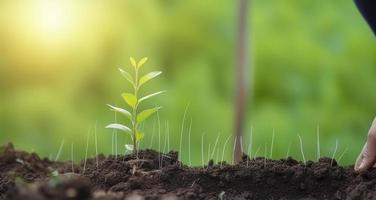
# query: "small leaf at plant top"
{"type": "Point", "coordinates": [141, 62]}
{"type": "Point", "coordinates": [148, 77]}
{"type": "Point", "coordinates": [121, 110]}
{"type": "Point", "coordinates": [146, 113]}
{"type": "Point", "coordinates": [129, 147]}
{"type": "Point", "coordinates": [120, 127]}
{"type": "Point", "coordinates": [133, 62]}
{"type": "Point", "coordinates": [150, 95]}
{"type": "Point", "coordinates": [130, 99]}
{"type": "Point", "coordinates": [139, 135]}
{"type": "Point", "coordinates": [127, 76]}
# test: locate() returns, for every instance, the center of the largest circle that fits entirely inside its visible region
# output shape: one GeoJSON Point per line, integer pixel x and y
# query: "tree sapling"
{"type": "Point", "coordinates": [134, 100]}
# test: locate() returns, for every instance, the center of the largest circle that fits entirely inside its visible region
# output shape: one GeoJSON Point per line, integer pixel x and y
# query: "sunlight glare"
{"type": "Point", "coordinates": [53, 16]}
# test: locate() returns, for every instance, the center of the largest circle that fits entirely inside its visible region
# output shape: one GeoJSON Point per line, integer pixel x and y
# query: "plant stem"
{"type": "Point", "coordinates": [134, 115]}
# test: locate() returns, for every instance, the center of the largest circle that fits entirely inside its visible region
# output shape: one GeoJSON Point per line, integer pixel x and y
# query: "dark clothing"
{"type": "Point", "coordinates": [368, 10]}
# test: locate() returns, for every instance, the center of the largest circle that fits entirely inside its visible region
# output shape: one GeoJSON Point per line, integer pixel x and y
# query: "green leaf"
{"type": "Point", "coordinates": [133, 62]}
{"type": "Point", "coordinates": [129, 147]}
{"type": "Point", "coordinates": [139, 135]}
{"type": "Point", "coordinates": [142, 62]}
{"type": "Point", "coordinates": [121, 110]}
{"type": "Point", "coordinates": [146, 113]}
{"type": "Point", "coordinates": [127, 76]}
{"type": "Point", "coordinates": [148, 77]}
{"type": "Point", "coordinates": [150, 95]}
{"type": "Point", "coordinates": [120, 127]}
{"type": "Point", "coordinates": [130, 99]}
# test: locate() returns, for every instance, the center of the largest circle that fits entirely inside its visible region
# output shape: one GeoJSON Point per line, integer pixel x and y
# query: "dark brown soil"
{"type": "Point", "coordinates": [161, 176]}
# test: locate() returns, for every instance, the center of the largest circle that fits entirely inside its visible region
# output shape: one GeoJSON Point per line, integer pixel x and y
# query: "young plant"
{"type": "Point", "coordinates": [133, 100]}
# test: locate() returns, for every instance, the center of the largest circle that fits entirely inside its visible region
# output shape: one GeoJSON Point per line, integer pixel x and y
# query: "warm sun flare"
{"type": "Point", "coordinates": [52, 16]}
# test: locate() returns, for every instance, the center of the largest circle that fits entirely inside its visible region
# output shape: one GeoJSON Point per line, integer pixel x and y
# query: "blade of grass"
{"type": "Point", "coordinates": [258, 149]}
{"type": "Point", "coordinates": [318, 142]}
{"type": "Point", "coordinates": [272, 144]}
{"type": "Point", "coordinates": [96, 144]}
{"type": "Point", "coordinates": [217, 155]}
{"type": "Point", "coordinates": [87, 148]}
{"type": "Point", "coordinates": [152, 133]}
{"type": "Point", "coordinates": [208, 153]}
{"type": "Point", "coordinates": [249, 150]}
{"type": "Point", "coordinates": [159, 140]}
{"type": "Point", "coordinates": [189, 142]}
{"type": "Point", "coordinates": [343, 153]}
{"type": "Point", "coordinates": [241, 144]}
{"type": "Point", "coordinates": [224, 148]}
{"type": "Point", "coordinates": [265, 156]}
{"type": "Point", "coordinates": [334, 153]}
{"type": "Point", "coordinates": [168, 136]}
{"type": "Point", "coordinates": [113, 137]}
{"type": "Point", "coordinates": [233, 151]}
{"type": "Point", "coordinates": [59, 151]}
{"type": "Point", "coordinates": [165, 138]}
{"type": "Point", "coordinates": [202, 150]}
{"type": "Point", "coordinates": [116, 145]}
{"type": "Point", "coordinates": [72, 157]}
{"type": "Point", "coordinates": [215, 145]}
{"type": "Point", "coordinates": [301, 149]}
{"type": "Point", "coordinates": [182, 130]}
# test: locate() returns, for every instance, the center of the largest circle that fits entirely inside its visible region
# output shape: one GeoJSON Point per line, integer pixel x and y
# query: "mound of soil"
{"type": "Point", "coordinates": [161, 176]}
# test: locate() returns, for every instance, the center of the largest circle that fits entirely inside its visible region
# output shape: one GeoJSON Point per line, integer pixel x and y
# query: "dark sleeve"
{"type": "Point", "coordinates": [368, 10]}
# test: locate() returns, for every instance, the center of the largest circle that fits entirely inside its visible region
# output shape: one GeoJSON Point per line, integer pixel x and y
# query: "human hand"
{"type": "Point", "coordinates": [367, 157]}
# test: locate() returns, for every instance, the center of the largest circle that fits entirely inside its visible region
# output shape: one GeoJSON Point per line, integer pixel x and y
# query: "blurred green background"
{"type": "Point", "coordinates": [313, 64]}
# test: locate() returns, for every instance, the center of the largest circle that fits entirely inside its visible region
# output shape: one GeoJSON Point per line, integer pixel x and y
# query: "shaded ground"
{"type": "Point", "coordinates": [161, 176]}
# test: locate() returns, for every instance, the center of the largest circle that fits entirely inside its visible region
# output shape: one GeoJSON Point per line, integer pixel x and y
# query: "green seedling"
{"type": "Point", "coordinates": [133, 100]}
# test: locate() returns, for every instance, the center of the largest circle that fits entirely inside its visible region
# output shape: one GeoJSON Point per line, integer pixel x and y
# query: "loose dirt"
{"type": "Point", "coordinates": [161, 176]}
